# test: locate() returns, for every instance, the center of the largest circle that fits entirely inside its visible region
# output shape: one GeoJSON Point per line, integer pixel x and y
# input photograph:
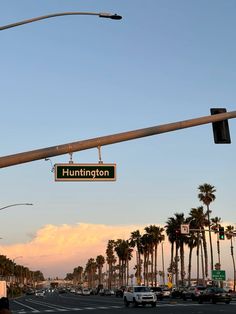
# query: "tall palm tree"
{"type": "Point", "coordinates": [198, 221]}
{"type": "Point", "coordinates": [77, 275]}
{"type": "Point", "coordinates": [124, 253]}
{"type": "Point", "coordinates": [157, 237]}
{"type": "Point", "coordinates": [229, 235]}
{"type": "Point", "coordinates": [176, 238]}
{"type": "Point", "coordinates": [207, 196]}
{"type": "Point", "coordinates": [181, 240]}
{"type": "Point", "coordinates": [100, 261]}
{"type": "Point", "coordinates": [111, 260]}
{"type": "Point", "coordinates": [90, 271]}
{"type": "Point", "coordinates": [135, 241]}
{"type": "Point", "coordinates": [215, 227]}
{"type": "Point", "coordinates": [150, 235]}
{"type": "Point", "coordinates": [170, 228]}
{"type": "Point", "coordinates": [147, 248]}
{"type": "Point", "coordinates": [192, 241]}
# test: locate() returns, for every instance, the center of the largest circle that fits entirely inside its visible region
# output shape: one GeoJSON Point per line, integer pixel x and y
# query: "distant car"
{"type": "Point", "coordinates": [105, 292]}
{"type": "Point", "coordinates": [30, 292]}
{"type": "Point", "coordinates": [166, 292]}
{"type": "Point", "coordinates": [120, 292]}
{"type": "Point", "coordinates": [62, 290]}
{"type": "Point", "coordinates": [158, 291]}
{"type": "Point", "coordinates": [193, 292]}
{"type": "Point", "coordinates": [39, 293]}
{"type": "Point", "coordinates": [233, 294]}
{"type": "Point", "coordinates": [85, 291]}
{"type": "Point", "coordinates": [214, 295]}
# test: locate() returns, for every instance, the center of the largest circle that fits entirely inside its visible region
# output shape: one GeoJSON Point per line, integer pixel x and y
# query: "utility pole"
{"type": "Point", "coordinates": [69, 148]}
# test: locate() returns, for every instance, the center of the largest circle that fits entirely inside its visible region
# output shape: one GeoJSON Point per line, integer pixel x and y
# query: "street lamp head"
{"type": "Point", "coordinates": [116, 17]}
{"type": "Point", "coordinates": [110, 16]}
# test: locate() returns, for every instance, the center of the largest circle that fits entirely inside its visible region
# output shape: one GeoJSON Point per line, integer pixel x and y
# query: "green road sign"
{"type": "Point", "coordinates": [85, 172]}
{"type": "Point", "coordinates": [218, 274]}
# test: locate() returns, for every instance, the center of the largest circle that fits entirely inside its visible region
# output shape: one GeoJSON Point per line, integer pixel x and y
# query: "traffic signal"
{"type": "Point", "coordinates": [220, 128]}
{"type": "Point", "coordinates": [221, 233]}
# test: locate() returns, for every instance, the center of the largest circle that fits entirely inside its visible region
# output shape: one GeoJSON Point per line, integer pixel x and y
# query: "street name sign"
{"type": "Point", "coordinates": [85, 172]}
{"type": "Point", "coordinates": [184, 229]}
{"type": "Point", "coordinates": [218, 275]}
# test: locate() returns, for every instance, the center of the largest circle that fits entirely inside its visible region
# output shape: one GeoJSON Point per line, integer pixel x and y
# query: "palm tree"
{"type": "Point", "coordinates": [135, 241]}
{"type": "Point", "coordinates": [156, 237]}
{"type": "Point", "coordinates": [181, 239]}
{"type": "Point", "coordinates": [111, 260]}
{"type": "Point", "coordinates": [173, 226]}
{"type": "Point", "coordinates": [215, 227]}
{"type": "Point", "coordinates": [147, 248]}
{"type": "Point", "coordinates": [100, 260]}
{"type": "Point", "coordinates": [198, 221]}
{"type": "Point", "coordinates": [90, 271]}
{"type": "Point", "coordinates": [192, 241]}
{"type": "Point", "coordinates": [150, 236]}
{"type": "Point", "coordinates": [207, 196]}
{"type": "Point", "coordinates": [171, 233]}
{"type": "Point", "coordinates": [77, 275]}
{"type": "Point", "coordinates": [124, 253]}
{"type": "Point", "coordinates": [229, 235]}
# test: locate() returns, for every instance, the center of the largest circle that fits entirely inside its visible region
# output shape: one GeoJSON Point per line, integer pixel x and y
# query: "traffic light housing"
{"type": "Point", "coordinates": [221, 233]}
{"type": "Point", "coordinates": [220, 128]}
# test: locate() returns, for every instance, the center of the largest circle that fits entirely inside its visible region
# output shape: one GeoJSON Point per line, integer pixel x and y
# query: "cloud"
{"type": "Point", "coordinates": [57, 250]}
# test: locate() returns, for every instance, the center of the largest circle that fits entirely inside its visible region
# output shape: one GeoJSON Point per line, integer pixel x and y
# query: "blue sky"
{"type": "Point", "coordinates": [77, 77]}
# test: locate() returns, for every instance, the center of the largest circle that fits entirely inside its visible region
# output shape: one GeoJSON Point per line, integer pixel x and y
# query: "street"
{"type": "Point", "coordinates": [71, 303]}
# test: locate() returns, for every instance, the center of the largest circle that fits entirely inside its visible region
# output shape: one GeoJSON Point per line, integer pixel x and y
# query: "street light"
{"type": "Point", "coordinates": [104, 15]}
{"type": "Point", "coordinates": [15, 205]}
{"type": "Point", "coordinates": [13, 275]}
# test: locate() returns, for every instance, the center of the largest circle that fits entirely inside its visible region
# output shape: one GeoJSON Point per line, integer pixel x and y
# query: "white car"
{"type": "Point", "coordinates": [85, 291]}
{"type": "Point", "coordinates": [39, 293]}
{"type": "Point", "coordinates": [139, 295]}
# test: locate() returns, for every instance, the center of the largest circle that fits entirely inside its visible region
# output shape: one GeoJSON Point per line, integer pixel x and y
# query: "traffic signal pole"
{"type": "Point", "coordinates": [48, 152]}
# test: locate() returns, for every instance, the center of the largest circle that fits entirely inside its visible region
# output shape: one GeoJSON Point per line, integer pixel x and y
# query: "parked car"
{"type": "Point", "coordinates": [177, 292]}
{"type": "Point", "coordinates": [214, 295]}
{"type": "Point", "coordinates": [120, 292]}
{"type": "Point", "coordinates": [193, 292]}
{"type": "Point", "coordinates": [85, 291]}
{"type": "Point", "coordinates": [233, 294]}
{"type": "Point", "coordinates": [158, 291]}
{"type": "Point", "coordinates": [78, 291]}
{"type": "Point", "coordinates": [166, 292]}
{"type": "Point", "coordinates": [105, 292]}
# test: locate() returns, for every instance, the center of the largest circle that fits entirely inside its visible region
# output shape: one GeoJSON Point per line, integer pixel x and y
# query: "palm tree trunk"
{"type": "Point", "coordinates": [202, 260]}
{"type": "Point", "coordinates": [189, 265]}
{"type": "Point", "coordinates": [205, 253]}
{"type": "Point", "coordinates": [176, 265]}
{"type": "Point", "coordinates": [211, 250]}
{"type": "Point", "coordinates": [198, 235]}
{"type": "Point", "coordinates": [155, 265]}
{"type": "Point", "coordinates": [232, 254]}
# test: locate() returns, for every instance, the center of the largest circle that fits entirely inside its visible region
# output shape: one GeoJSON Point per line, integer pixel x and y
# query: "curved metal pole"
{"type": "Point", "coordinates": [104, 15]}
{"type": "Point", "coordinates": [15, 205]}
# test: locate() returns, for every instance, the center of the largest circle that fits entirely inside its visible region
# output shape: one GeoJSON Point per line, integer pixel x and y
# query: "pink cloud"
{"type": "Point", "coordinates": [57, 250]}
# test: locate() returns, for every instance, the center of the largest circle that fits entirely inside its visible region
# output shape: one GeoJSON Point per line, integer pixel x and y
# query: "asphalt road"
{"type": "Point", "coordinates": [70, 303]}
